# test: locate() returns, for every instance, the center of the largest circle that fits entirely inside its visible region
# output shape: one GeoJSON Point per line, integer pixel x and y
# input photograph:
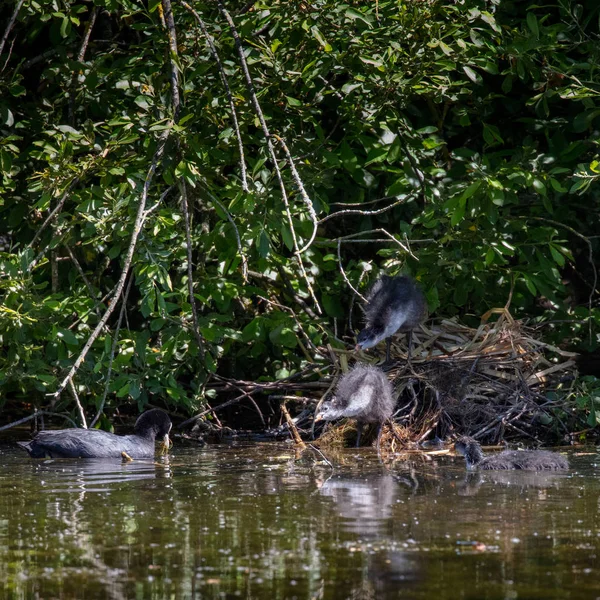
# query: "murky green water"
{"type": "Point", "coordinates": [249, 521]}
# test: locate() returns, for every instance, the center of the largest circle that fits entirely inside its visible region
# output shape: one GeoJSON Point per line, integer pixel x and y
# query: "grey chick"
{"type": "Point", "coordinates": [526, 460]}
{"type": "Point", "coordinates": [393, 304]}
{"type": "Point", "coordinates": [364, 394]}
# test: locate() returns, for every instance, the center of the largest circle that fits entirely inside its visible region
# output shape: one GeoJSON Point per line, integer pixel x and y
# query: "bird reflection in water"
{"type": "Point", "coordinates": [366, 505]}
{"type": "Point", "coordinates": [97, 475]}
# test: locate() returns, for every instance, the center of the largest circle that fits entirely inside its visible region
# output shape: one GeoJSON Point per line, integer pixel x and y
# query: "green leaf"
{"type": "Point", "coordinates": [293, 101]}
{"type": "Point", "coordinates": [472, 75]}
{"type": "Point", "coordinates": [532, 23]}
{"type": "Point", "coordinates": [353, 14]}
{"type": "Point", "coordinates": [458, 214]}
{"type": "Point", "coordinates": [287, 237]}
{"type": "Point", "coordinates": [264, 244]}
{"type": "Point", "coordinates": [559, 259]}
{"type": "Point", "coordinates": [316, 33]}
{"type": "Point", "coordinates": [68, 337]}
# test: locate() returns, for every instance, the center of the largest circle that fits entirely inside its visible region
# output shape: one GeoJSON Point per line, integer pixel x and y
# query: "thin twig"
{"type": "Point", "coordinates": [52, 214]}
{"type": "Point", "coordinates": [238, 239]}
{"type": "Point", "coordinates": [12, 44]}
{"type": "Point", "coordinates": [86, 281]}
{"type": "Point", "coordinates": [356, 292]}
{"type": "Point", "coordinates": [590, 259]}
{"type": "Point", "coordinates": [10, 24]}
{"type": "Point", "coordinates": [217, 59]}
{"type": "Point", "coordinates": [305, 198]}
{"type": "Point", "coordinates": [362, 212]}
{"type": "Point", "coordinates": [36, 414]}
{"type": "Point", "coordinates": [263, 123]}
{"type": "Point", "coordinates": [170, 23]}
{"type": "Point", "coordinates": [190, 270]}
{"type": "Point", "coordinates": [80, 57]}
{"type": "Point", "coordinates": [78, 403]}
{"type": "Point", "coordinates": [215, 408]}
{"type": "Point", "coordinates": [113, 349]}
{"type": "Point", "coordinates": [299, 325]}
{"type": "Point", "coordinates": [137, 227]}
{"type": "Point", "coordinates": [290, 423]}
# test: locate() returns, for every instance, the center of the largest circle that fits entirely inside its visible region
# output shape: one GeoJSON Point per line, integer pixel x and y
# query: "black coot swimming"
{"type": "Point", "coordinates": [93, 443]}
{"type": "Point", "coordinates": [526, 460]}
{"type": "Point", "coordinates": [393, 304]}
{"type": "Point", "coordinates": [364, 394]}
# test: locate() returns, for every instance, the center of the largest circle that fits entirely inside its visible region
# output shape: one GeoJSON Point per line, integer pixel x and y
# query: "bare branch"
{"type": "Point", "coordinates": [236, 125]}
{"type": "Point", "coordinates": [170, 23]}
{"type": "Point", "coordinates": [78, 403]}
{"type": "Point", "coordinates": [190, 271]}
{"type": "Point", "coordinates": [37, 413]}
{"type": "Point", "coordinates": [10, 24]}
{"type": "Point", "coordinates": [113, 349]}
{"type": "Point", "coordinates": [263, 123]}
{"type": "Point", "coordinates": [51, 216]}
{"type": "Point", "coordinates": [80, 57]}
{"type": "Point", "coordinates": [86, 281]}
{"type": "Point", "coordinates": [363, 212]}
{"type": "Point", "coordinates": [216, 201]}
{"type": "Point", "coordinates": [137, 227]}
{"type": "Point", "coordinates": [303, 194]}
{"type": "Point", "coordinates": [356, 292]}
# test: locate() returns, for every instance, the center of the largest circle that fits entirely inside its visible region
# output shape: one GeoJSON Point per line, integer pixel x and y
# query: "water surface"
{"type": "Point", "coordinates": [255, 521]}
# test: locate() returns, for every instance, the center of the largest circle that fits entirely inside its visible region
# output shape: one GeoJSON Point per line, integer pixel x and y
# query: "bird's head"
{"type": "Point", "coordinates": [368, 337]}
{"type": "Point", "coordinates": [328, 411]}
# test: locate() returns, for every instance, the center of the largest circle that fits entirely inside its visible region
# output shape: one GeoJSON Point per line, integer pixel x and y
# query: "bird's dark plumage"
{"type": "Point", "coordinates": [526, 460]}
{"type": "Point", "coordinates": [93, 443]}
{"type": "Point", "coordinates": [393, 304]}
{"type": "Point", "coordinates": [364, 394]}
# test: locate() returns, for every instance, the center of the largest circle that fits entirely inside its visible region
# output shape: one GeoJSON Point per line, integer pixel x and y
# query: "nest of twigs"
{"type": "Point", "coordinates": [489, 383]}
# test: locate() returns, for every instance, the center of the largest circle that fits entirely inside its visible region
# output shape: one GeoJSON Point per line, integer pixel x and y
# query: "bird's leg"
{"type": "Point", "coordinates": [379, 431]}
{"type": "Point", "coordinates": [409, 353]}
{"type": "Point", "coordinates": [359, 427]}
{"type": "Point", "coordinates": [388, 345]}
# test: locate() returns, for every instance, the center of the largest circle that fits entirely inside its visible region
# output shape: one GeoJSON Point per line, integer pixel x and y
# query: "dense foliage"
{"type": "Point", "coordinates": [464, 135]}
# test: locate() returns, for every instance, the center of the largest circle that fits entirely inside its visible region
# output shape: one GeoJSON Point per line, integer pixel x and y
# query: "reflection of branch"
{"type": "Point", "coordinates": [236, 125]}
{"type": "Point", "coordinates": [263, 123]}
{"type": "Point", "coordinates": [137, 227]}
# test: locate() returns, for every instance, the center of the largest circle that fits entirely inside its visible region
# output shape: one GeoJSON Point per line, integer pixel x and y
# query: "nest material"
{"type": "Point", "coordinates": [483, 382]}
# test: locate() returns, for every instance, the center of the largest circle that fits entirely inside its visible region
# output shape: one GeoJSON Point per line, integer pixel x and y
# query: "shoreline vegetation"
{"type": "Point", "coordinates": [194, 200]}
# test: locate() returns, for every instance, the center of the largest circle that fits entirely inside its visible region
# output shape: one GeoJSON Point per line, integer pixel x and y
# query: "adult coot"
{"type": "Point", "coordinates": [364, 394]}
{"type": "Point", "coordinates": [93, 443]}
{"type": "Point", "coordinates": [393, 304]}
{"type": "Point", "coordinates": [526, 460]}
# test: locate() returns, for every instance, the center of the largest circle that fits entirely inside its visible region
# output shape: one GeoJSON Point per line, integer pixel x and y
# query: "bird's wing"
{"type": "Point", "coordinates": [74, 443]}
{"type": "Point", "coordinates": [359, 401]}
